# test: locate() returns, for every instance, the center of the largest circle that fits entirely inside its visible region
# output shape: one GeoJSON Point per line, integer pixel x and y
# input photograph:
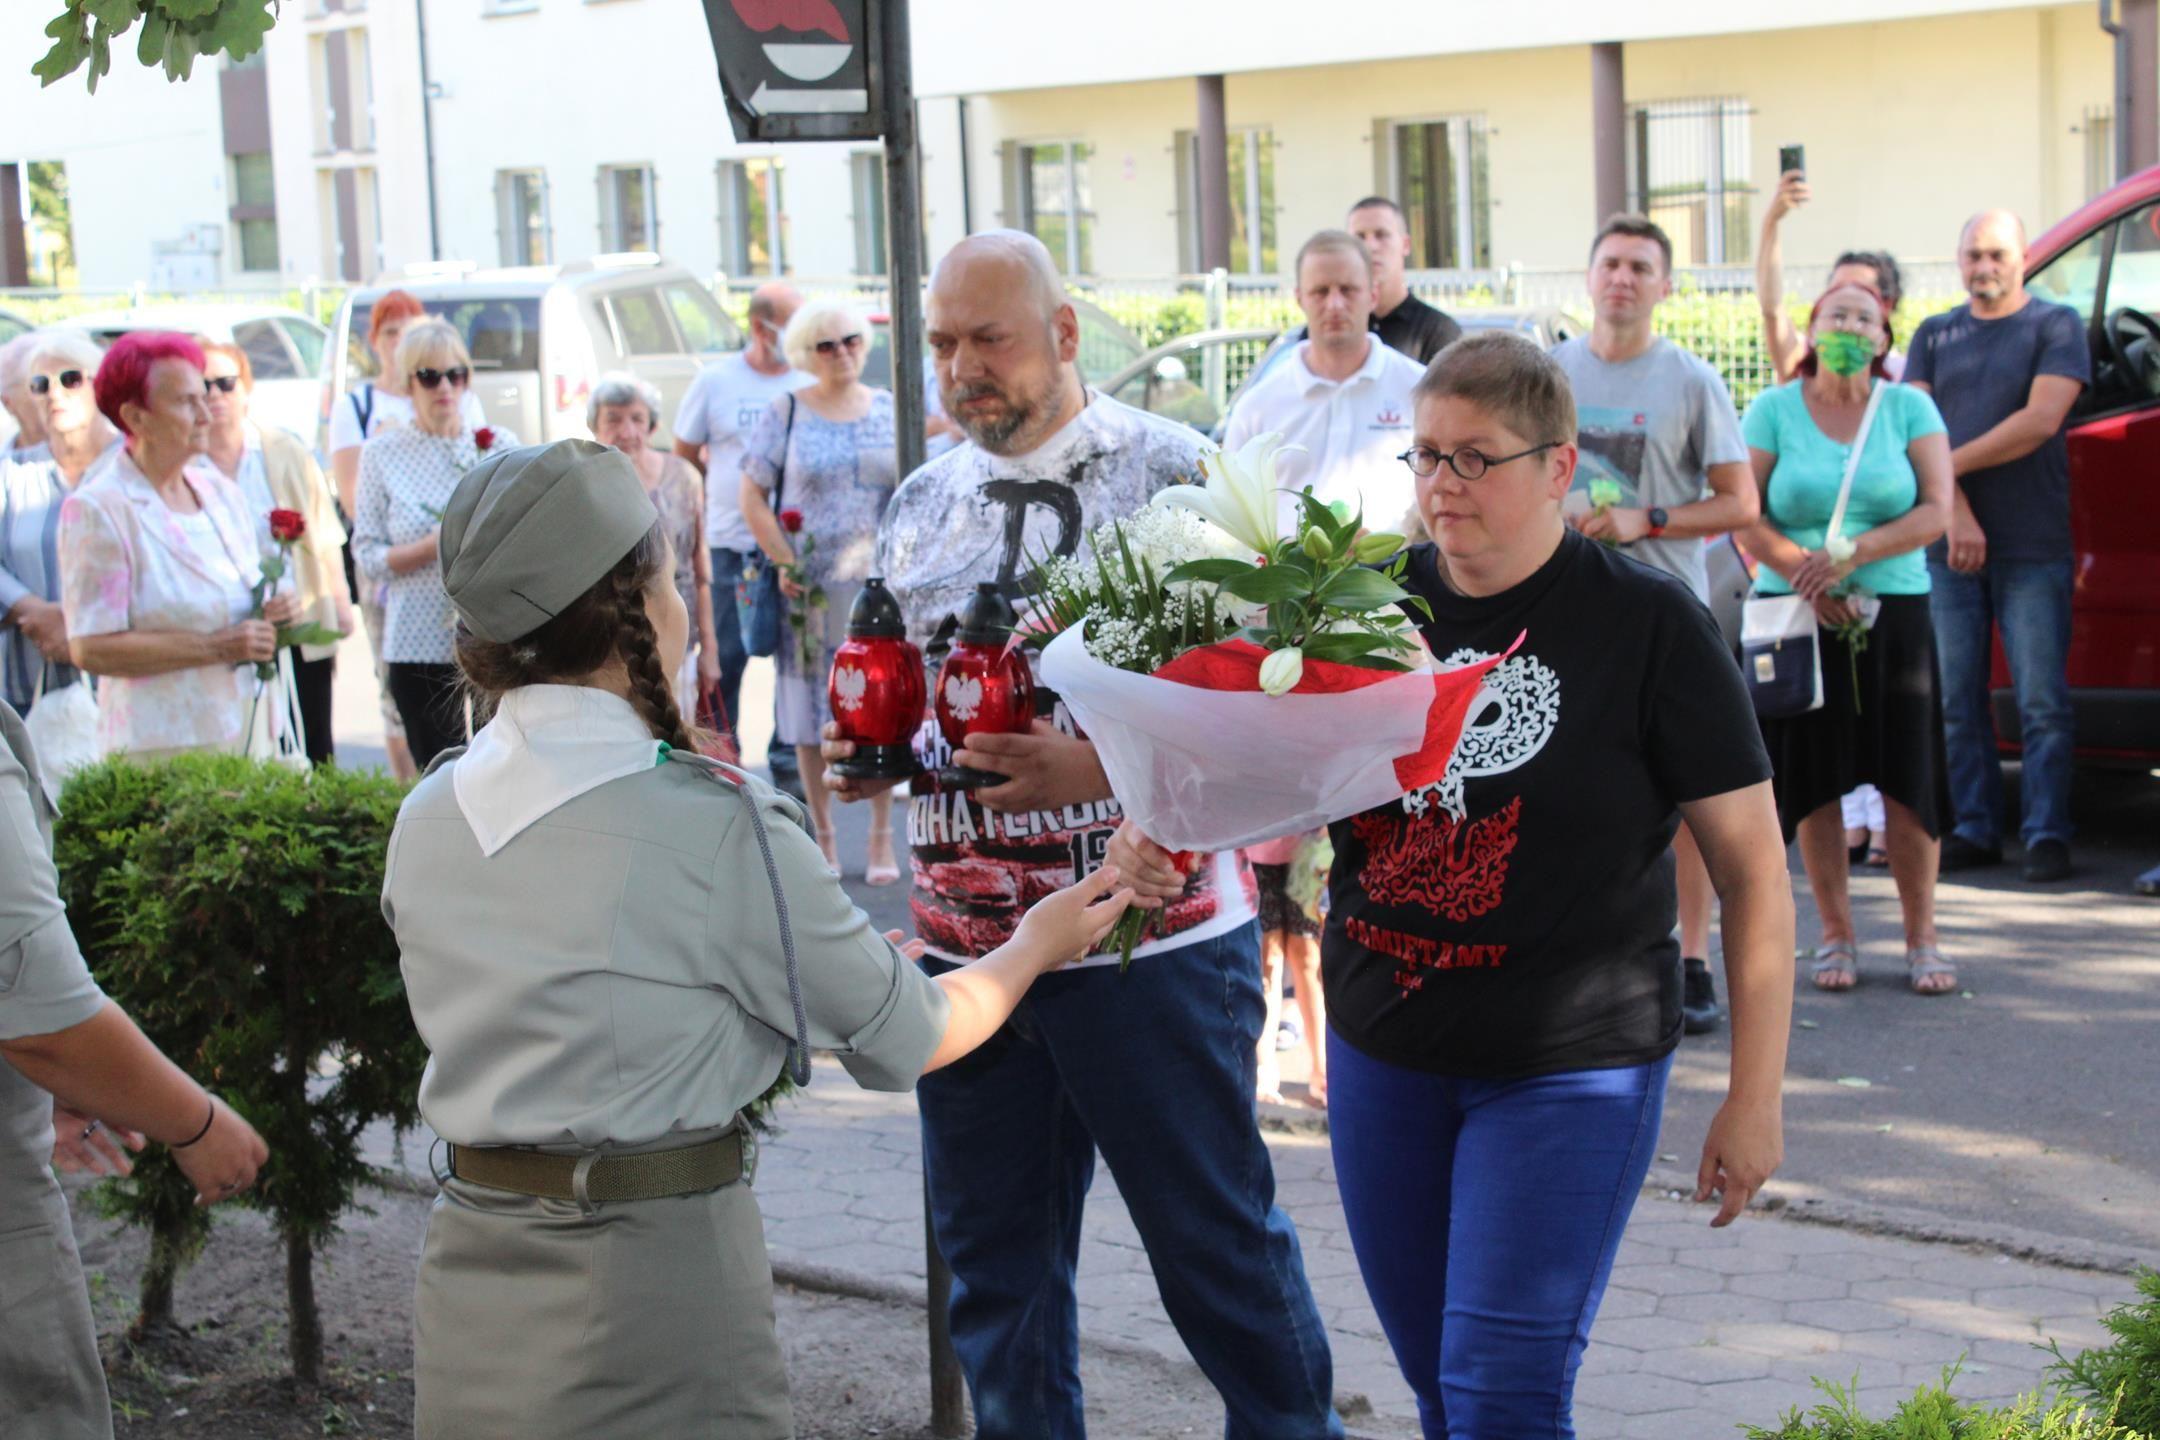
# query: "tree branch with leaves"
{"type": "Point", "coordinates": [169, 33]}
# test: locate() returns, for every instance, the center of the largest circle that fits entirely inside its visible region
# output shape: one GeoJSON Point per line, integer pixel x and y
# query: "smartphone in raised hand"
{"type": "Point", "coordinates": [1791, 158]}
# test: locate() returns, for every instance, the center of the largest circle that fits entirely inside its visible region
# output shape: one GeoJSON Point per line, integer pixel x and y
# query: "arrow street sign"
{"type": "Point", "coordinates": [797, 69]}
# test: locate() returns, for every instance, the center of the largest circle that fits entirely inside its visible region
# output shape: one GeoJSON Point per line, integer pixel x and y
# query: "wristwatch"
{"type": "Point", "coordinates": [1657, 521]}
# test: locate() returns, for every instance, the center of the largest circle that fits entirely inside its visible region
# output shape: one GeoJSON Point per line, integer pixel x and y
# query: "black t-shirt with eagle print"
{"type": "Point", "coordinates": [1516, 918]}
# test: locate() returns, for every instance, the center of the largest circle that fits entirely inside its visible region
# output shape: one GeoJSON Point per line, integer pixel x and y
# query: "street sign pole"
{"type": "Point", "coordinates": [893, 67]}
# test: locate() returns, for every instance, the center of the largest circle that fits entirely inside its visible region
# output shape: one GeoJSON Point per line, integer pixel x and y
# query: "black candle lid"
{"type": "Point", "coordinates": [988, 618]}
{"type": "Point", "coordinates": [876, 614]}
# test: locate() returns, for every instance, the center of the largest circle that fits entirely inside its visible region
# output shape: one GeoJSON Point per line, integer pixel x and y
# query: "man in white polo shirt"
{"type": "Point", "coordinates": [1344, 396]}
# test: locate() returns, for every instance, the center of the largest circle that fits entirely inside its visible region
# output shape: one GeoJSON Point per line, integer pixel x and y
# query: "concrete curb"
{"type": "Point", "coordinates": [1813, 1206]}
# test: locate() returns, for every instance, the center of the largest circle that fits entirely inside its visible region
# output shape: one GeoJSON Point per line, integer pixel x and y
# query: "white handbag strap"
{"type": "Point", "coordinates": [1852, 461]}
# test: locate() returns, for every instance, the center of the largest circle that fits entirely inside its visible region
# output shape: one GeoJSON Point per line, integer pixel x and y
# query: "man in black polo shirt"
{"type": "Point", "coordinates": [1401, 320]}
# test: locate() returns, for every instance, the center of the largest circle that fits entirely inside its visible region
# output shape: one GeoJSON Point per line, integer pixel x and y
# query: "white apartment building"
{"type": "Point", "coordinates": [545, 131]}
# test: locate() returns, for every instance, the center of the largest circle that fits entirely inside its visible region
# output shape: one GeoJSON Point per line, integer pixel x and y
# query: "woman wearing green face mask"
{"type": "Point", "coordinates": [1881, 718]}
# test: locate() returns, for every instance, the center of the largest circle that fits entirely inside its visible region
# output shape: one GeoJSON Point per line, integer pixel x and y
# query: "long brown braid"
{"type": "Point", "coordinates": [608, 622]}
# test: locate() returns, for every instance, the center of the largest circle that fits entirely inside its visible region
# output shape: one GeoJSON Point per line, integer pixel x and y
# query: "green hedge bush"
{"type": "Point", "coordinates": [234, 908]}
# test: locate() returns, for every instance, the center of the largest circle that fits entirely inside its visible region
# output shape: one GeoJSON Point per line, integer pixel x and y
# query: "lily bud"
{"type": "Point", "coordinates": [1281, 671]}
{"type": "Point", "coordinates": [1317, 546]}
{"type": "Point", "coordinates": [1376, 547]}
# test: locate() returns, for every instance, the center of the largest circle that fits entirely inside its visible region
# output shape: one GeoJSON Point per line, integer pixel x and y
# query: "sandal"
{"type": "Point", "coordinates": [1877, 858]}
{"type": "Point", "coordinates": [1925, 962]}
{"type": "Point", "coordinates": [881, 872]}
{"type": "Point", "coordinates": [1837, 966]}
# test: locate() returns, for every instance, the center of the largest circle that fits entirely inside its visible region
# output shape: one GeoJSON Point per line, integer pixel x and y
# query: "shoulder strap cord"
{"type": "Point", "coordinates": [722, 774]}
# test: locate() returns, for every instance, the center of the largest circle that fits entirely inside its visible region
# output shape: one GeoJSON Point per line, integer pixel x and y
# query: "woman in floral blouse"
{"type": "Point", "coordinates": [406, 476]}
{"type": "Point", "coordinates": [159, 562]}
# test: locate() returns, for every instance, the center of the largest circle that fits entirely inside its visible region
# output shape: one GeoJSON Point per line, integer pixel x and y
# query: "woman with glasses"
{"type": "Point", "coordinates": [373, 406]}
{"type": "Point", "coordinates": [1880, 722]}
{"type": "Point", "coordinates": [58, 366]}
{"type": "Point", "coordinates": [1503, 985]}
{"type": "Point", "coordinates": [406, 476]}
{"type": "Point", "coordinates": [823, 456]}
{"type": "Point", "coordinates": [275, 471]}
{"type": "Point", "coordinates": [159, 561]}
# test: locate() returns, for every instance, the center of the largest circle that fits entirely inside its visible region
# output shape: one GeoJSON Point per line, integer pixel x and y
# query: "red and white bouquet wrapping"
{"type": "Point", "coordinates": [1239, 683]}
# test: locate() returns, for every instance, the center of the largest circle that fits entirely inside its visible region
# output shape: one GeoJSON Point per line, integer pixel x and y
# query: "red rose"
{"type": "Point", "coordinates": [484, 437]}
{"type": "Point", "coordinates": [287, 526]}
{"type": "Point", "coordinates": [791, 520]}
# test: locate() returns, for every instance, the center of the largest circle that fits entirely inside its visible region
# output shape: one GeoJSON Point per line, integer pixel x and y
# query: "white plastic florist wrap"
{"type": "Point", "coordinates": [1202, 759]}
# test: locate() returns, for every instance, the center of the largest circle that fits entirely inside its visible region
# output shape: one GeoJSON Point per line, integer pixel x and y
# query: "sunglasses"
{"type": "Point", "coordinates": [428, 379]}
{"type": "Point", "coordinates": [69, 380]}
{"type": "Point", "coordinates": [833, 347]}
{"type": "Point", "coordinates": [223, 384]}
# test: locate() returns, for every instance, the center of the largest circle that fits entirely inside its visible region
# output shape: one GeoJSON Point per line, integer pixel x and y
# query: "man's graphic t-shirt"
{"type": "Point", "coordinates": [970, 516]}
{"type": "Point", "coordinates": [1516, 918]}
{"type": "Point", "coordinates": [1652, 426]}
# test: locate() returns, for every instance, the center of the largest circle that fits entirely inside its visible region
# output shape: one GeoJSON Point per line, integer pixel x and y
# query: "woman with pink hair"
{"type": "Point", "coordinates": [159, 564]}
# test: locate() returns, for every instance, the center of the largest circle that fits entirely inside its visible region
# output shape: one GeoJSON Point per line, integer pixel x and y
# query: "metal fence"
{"type": "Point", "coordinates": [1713, 311]}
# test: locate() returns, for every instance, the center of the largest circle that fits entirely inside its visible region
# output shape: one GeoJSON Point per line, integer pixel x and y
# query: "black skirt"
{"type": "Point", "coordinates": [1888, 733]}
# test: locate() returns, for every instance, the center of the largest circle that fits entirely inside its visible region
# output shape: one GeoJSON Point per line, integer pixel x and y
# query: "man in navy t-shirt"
{"type": "Point", "coordinates": [2004, 370]}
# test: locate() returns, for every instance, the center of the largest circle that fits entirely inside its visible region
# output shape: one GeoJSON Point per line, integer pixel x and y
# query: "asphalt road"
{"type": "Point", "coordinates": [2030, 1098]}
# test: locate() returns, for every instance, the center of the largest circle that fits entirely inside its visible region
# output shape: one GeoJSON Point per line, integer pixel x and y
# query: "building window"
{"type": "Point", "coordinates": [753, 221]}
{"type": "Point", "coordinates": [1252, 200]}
{"type": "Point", "coordinates": [868, 177]}
{"type": "Point", "coordinates": [344, 90]}
{"type": "Point", "coordinates": [48, 226]}
{"type": "Point", "coordinates": [2098, 132]}
{"type": "Point", "coordinates": [521, 217]}
{"type": "Point", "coordinates": [629, 218]}
{"type": "Point", "coordinates": [1436, 169]}
{"type": "Point", "coordinates": [1687, 165]}
{"type": "Point", "coordinates": [254, 210]}
{"type": "Point", "coordinates": [352, 234]}
{"type": "Point", "coordinates": [1047, 183]}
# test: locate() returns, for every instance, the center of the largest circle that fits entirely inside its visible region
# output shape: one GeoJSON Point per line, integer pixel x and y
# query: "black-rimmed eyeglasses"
{"type": "Point", "coordinates": [1425, 462]}
{"type": "Point", "coordinates": [69, 379]}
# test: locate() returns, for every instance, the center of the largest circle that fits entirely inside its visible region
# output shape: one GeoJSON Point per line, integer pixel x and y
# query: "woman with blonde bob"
{"type": "Point", "coordinates": [610, 955]}
{"type": "Point", "coordinates": [818, 470]}
{"type": "Point", "coordinates": [406, 476]}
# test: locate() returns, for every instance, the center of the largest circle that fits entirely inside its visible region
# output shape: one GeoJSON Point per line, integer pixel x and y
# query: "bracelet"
{"type": "Point", "coordinates": [208, 1121]}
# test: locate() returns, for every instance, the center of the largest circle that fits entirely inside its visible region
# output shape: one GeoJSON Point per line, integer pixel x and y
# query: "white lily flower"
{"type": "Point", "coordinates": [1281, 671]}
{"type": "Point", "coordinates": [1239, 496]}
{"type": "Point", "coordinates": [1839, 548]}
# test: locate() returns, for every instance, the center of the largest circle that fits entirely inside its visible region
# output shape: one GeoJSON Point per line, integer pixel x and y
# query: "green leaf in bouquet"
{"type": "Point", "coordinates": [1360, 589]}
{"type": "Point", "coordinates": [1335, 521]}
{"type": "Point", "coordinates": [1208, 572]}
{"type": "Point", "coordinates": [1380, 662]}
{"type": "Point", "coordinates": [1379, 546]}
{"type": "Point", "coordinates": [1270, 586]}
{"type": "Point", "coordinates": [1340, 646]}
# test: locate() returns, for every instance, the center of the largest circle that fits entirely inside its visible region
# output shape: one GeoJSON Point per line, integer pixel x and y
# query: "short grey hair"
{"type": "Point", "coordinates": [66, 346]}
{"type": "Point", "coordinates": [620, 387]}
{"type": "Point", "coordinates": [15, 359]}
{"type": "Point", "coordinates": [825, 318]}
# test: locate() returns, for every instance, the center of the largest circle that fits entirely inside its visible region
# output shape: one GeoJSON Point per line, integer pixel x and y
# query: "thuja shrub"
{"type": "Point", "coordinates": [234, 908]}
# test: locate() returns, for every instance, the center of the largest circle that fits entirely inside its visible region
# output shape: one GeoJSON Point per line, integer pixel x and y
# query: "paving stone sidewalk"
{"type": "Point", "coordinates": [1701, 1328]}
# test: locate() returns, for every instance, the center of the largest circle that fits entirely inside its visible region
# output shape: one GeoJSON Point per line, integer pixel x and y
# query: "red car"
{"type": "Point", "coordinates": [2104, 262]}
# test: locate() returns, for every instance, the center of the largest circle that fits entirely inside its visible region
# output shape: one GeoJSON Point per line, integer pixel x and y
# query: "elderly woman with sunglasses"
{"type": "Point", "coordinates": [822, 456]}
{"type": "Point", "coordinates": [406, 476]}
{"type": "Point", "coordinates": [159, 563]}
{"type": "Point", "coordinates": [275, 471]}
{"type": "Point", "coordinates": [57, 366]}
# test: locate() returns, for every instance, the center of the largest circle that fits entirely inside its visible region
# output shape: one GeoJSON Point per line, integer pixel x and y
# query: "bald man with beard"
{"type": "Point", "coordinates": [1153, 1068]}
{"type": "Point", "coordinates": [2004, 369]}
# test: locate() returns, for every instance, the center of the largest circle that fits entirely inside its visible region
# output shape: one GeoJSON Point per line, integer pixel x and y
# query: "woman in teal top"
{"type": "Point", "coordinates": [1881, 718]}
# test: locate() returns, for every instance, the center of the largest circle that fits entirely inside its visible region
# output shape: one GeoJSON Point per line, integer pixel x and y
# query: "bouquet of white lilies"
{"type": "Point", "coordinates": [1240, 682]}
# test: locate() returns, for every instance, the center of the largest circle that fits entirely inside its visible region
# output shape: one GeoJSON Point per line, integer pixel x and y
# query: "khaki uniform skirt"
{"type": "Point", "coordinates": [52, 1384]}
{"type": "Point", "coordinates": [536, 1319]}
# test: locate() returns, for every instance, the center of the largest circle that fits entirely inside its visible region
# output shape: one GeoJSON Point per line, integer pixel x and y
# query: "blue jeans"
{"type": "Point", "coordinates": [1485, 1215]}
{"type": "Point", "coordinates": [1156, 1067]}
{"type": "Point", "coordinates": [727, 631]}
{"type": "Point", "coordinates": [2029, 600]}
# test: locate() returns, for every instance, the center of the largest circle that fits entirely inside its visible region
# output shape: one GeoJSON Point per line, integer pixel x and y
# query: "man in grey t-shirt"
{"type": "Point", "coordinates": [1662, 469]}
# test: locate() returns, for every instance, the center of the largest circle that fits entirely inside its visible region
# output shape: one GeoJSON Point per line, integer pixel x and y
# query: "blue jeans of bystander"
{"type": "Point", "coordinates": [1156, 1068]}
{"type": "Point", "coordinates": [2029, 600]}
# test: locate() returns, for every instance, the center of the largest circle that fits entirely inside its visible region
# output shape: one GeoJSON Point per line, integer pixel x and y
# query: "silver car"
{"type": "Point", "coordinates": [540, 336]}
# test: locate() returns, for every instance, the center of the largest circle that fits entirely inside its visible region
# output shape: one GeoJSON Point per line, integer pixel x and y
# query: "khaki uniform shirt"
{"type": "Point", "coordinates": [612, 974]}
